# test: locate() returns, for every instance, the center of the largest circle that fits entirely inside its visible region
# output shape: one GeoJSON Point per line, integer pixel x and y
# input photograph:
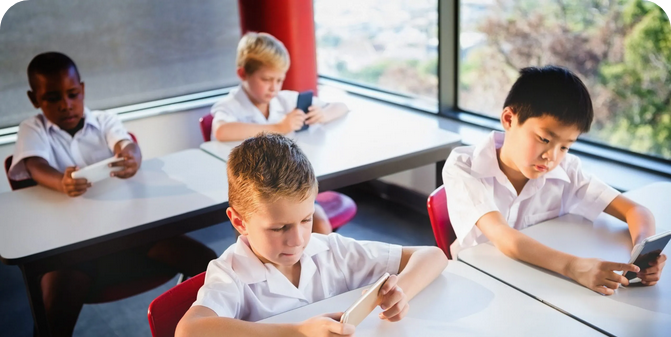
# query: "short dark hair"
{"type": "Point", "coordinates": [553, 91]}
{"type": "Point", "coordinates": [265, 168]}
{"type": "Point", "coordinates": [49, 63]}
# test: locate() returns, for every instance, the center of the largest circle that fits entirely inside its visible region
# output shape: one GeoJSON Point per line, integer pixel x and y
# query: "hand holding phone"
{"type": "Point", "coordinates": [646, 252]}
{"type": "Point", "coordinates": [356, 313]}
{"type": "Point", "coordinates": [303, 103]}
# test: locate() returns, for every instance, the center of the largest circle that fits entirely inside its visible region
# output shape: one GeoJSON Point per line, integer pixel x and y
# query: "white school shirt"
{"type": "Point", "coordinates": [237, 107]}
{"type": "Point", "coordinates": [475, 185]}
{"type": "Point", "coordinates": [238, 285]}
{"type": "Point", "coordinates": [39, 137]}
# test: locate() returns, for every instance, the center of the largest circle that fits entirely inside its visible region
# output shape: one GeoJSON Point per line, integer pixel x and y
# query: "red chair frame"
{"type": "Point", "coordinates": [443, 231]}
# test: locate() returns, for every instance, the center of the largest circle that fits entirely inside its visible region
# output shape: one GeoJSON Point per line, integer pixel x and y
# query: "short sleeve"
{"type": "Point", "coordinates": [363, 262]}
{"type": "Point", "coordinates": [32, 141]}
{"type": "Point", "coordinates": [468, 199]}
{"type": "Point", "coordinates": [589, 196]}
{"type": "Point", "coordinates": [221, 111]}
{"type": "Point", "coordinates": [112, 128]}
{"type": "Point", "coordinates": [221, 292]}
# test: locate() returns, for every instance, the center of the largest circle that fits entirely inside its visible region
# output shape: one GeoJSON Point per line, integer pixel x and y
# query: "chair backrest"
{"type": "Point", "coordinates": [206, 126]}
{"type": "Point", "coordinates": [166, 310]}
{"type": "Point", "coordinates": [436, 204]}
{"type": "Point", "coordinates": [19, 184]}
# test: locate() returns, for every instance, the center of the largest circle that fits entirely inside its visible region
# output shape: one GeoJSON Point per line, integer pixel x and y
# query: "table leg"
{"type": "Point", "coordinates": [32, 281]}
{"type": "Point", "coordinates": [439, 173]}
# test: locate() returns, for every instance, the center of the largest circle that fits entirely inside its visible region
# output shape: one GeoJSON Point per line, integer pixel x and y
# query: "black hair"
{"type": "Point", "coordinates": [49, 63]}
{"type": "Point", "coordinates": [553, 91]}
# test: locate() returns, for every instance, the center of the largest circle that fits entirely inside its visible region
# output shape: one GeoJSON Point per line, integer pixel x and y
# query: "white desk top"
{"type": "Point", "coordinates": [36, 219]}
{"type": "Point", "coordinates": [460, 302]}
{"type": "Point", "coordinates": [367, 135]}
{"type": "Point", "coordinates": [631, 311]}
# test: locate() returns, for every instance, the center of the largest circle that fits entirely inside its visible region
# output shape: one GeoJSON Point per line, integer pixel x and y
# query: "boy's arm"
{"type": "Point", "coordinates": [231, 131]}
{"type": "Point", "coordinates": [202, 321]}
{"type": "Point", "coordinates": [419, 266]}
{"type": "Point", "coordinates": [47, 176]}
{"type": "Point", "coordinates": [640, 220]}
{"type": "Point", "coordinates": [593, 273]}
{"type": "Point", "coordinates": [317, 115]}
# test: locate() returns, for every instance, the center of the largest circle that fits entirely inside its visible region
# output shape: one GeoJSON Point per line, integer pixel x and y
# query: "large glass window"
{"type": "Point", "coordinates": [620, 49]}
{"type": "Point", "coordinates": [127, 51]}
{"type": "Point", "coordinates": [391, 45]}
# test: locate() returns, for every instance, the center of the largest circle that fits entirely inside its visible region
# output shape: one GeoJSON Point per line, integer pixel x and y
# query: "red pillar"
{"type": "Point", "coordinates": [292, 22]}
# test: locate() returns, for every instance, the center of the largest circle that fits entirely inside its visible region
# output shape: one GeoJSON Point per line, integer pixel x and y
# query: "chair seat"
{"type": "Point", "coordinates": [339, 208]}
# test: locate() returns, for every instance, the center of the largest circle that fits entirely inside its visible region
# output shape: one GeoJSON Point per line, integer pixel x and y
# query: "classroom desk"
{"type": "Point", "coordinates": [631, 311]}
{"type": "Point", "coordinates": [460, 302]}
{"type": "Point", "coordinates": [368, 143]}
{"type": "Point", "coordinates": [43, 230]}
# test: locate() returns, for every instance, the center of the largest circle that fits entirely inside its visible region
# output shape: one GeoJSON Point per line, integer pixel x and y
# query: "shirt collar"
{"type": "Point", "coordinates": [250, 269]}
{"type": "Point", "coordinates": [88, 120]}
{"type": "Point", "coordinates": [486, 164]}
{"type": "Point", "coordinates": [274, 106]}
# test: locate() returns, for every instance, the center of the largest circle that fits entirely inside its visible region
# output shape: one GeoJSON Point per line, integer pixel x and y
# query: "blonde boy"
{"type": "Point", "coordinates": [278, 265]}
{"type": "Point", "coordinates": [524, 176]}
{"type": "Point", "coordinates": [258, 104]}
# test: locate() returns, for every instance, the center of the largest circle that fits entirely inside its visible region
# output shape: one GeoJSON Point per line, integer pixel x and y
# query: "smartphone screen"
{"type": "Point", "coordinates": [649, 253]}
{"type": "Point", "coordinates": [304, 102]}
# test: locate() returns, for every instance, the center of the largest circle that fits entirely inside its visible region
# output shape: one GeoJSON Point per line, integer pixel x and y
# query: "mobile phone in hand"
{"type": "Point", "coordinates": [304, 102]}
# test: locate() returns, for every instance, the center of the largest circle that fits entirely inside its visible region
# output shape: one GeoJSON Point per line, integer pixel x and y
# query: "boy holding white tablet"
{"type": "Point", "coordinates": [278, 265]}
{"type": "Point", "coordinates": [54, 144]}
{"type": "Point", "coordinates": [67, 135]}
{"type": "Point", "coordinates": [524, 176]}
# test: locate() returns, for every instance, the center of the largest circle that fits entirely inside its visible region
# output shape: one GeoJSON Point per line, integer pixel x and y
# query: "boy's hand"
{"type": "Point", "coordinates": [292, 121]}
{"type": "Point", "coordinates": [652, 274]}
{"type": "Point", "coordinates": [394, 302]}
{"type": "Point", "coordinates": [600, 275]}
{"type": "Point", "coordinates": [73, 187]}
{"type": "Point", "coordinates": [129, 164]}
{"type": "Point", "coordinates": [325, 325]}
{"type": "Point", "coordinates": [315, 115]}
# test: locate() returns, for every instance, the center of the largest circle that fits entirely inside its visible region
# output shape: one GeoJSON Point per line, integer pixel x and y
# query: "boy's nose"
{"type": "Point", "coordinates": [295, 237]}
{"type": "Point", "coordinates": [66, 104]}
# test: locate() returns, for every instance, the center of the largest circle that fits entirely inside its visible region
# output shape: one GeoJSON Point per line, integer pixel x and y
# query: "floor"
{"type": "Point", "coordinates": [376, 219]}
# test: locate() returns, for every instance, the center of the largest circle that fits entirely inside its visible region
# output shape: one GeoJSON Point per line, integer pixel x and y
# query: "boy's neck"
{"type": "Point", "coordinates": [263, 107]}
{"type": "Point", "coordinates": [292, 273]}
{"type": "Point", "coordinates": [516, 178]}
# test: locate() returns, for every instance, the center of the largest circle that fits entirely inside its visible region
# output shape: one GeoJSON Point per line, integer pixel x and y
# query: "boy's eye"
{"type": "Point", "coordinates": [564, 148]}
{"type": "Point", "coordinates": [307, 220]}
{"type": "Point", "coordinates": [278, 229]}
{"type": "Point", "coordinates": [546, 141]}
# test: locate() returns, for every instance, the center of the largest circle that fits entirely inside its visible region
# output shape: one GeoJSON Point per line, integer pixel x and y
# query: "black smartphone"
{"type": "Point", "coordinates": [304, 102]}
{"type": "Point", "coordinates": [646, 252]}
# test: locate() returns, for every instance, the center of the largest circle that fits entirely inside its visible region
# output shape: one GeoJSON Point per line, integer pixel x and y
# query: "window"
{"type": "Point", "coordinates": [127, 51]}
{"type": "Point", "coordinates": [620, 49]}
{"type": "Point", "coordinates": [390, 45]}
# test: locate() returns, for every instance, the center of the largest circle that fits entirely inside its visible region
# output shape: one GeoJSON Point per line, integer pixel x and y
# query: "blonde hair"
{"type": "Point", "coordinates": [265, 168]}
{"type": "Point", "coordinates": [261, 49]}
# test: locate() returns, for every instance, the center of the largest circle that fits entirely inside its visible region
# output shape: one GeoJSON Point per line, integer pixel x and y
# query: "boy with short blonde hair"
{"type": "Point", "coordinates": [277, 264]}
{"type": "Point", "coordinates": [525, 176]}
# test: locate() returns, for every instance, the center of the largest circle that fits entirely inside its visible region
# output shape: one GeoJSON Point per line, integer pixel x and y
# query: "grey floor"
{"type": "Point", "coordinates": [376, 219]}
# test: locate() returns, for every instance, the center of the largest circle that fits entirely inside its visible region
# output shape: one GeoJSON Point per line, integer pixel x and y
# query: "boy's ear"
{"type": "Point", "coordinates": [236, 221]}
{"type": "Point", "coordinates": [507, 117]}
{"type": "Point", "coordinates": [241, 73]}
{"type": "Point", "coordinates": [33, 99]}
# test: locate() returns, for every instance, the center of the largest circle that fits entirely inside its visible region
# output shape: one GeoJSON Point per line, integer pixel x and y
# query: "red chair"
{"type": "Point", "coordinates": [339, 208]}
{"type": "Point", "coordinates": [436, 204]}
{"type": "Point", "coordinates": [166, 310]}
{"type": "Point", "coordinates": [151, 274]}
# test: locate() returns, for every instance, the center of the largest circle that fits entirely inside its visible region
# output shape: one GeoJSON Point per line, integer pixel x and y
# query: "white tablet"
{"type": "Point", "coordinates": [98, 171]}
{"type": "Point", "coordinates": [365, 305]}
{"type": "Point", "coordinates": [646, 251]}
